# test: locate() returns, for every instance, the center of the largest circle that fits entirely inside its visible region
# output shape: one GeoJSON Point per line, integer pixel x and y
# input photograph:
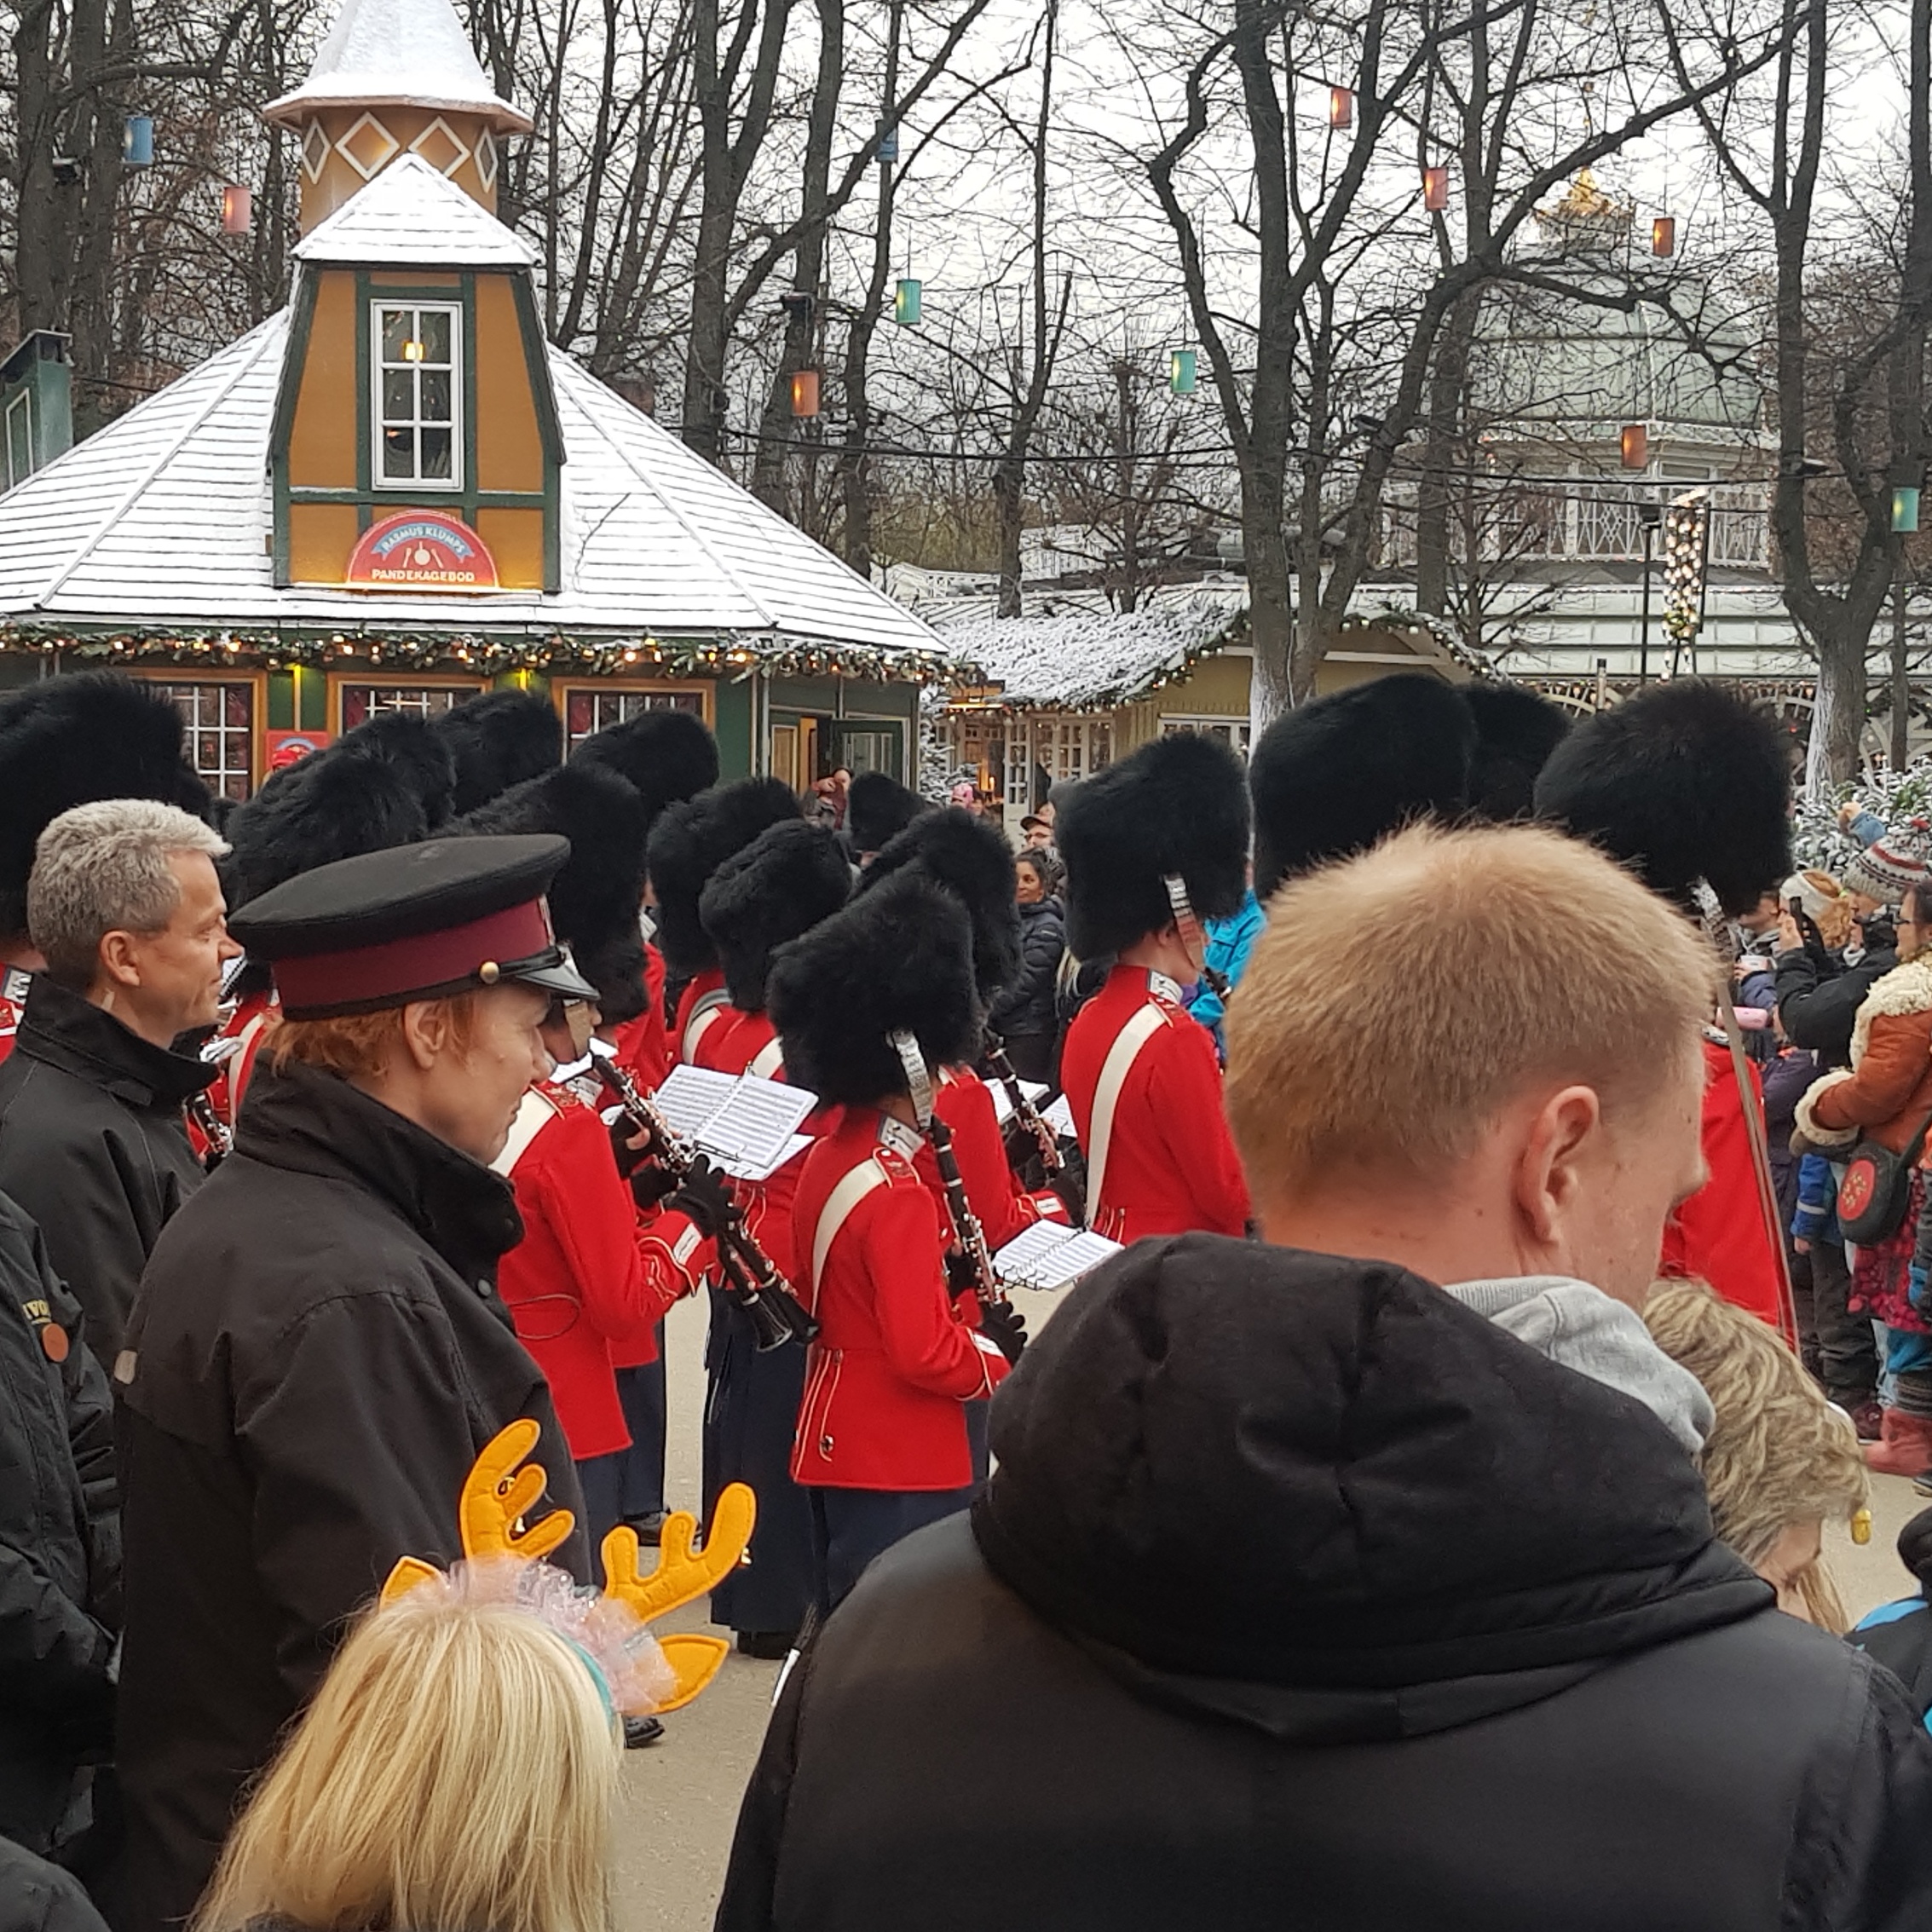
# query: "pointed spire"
{"type": "Point", "coordinates": [398, 54]}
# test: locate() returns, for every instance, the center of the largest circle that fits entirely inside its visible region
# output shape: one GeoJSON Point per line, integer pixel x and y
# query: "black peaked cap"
{"type": "Point", "coordinates": [898, 959]}
{"type": "Point", "coordinates": [1178, 804]}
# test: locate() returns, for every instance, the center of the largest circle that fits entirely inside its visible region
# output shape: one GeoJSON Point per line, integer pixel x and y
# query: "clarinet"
{"type": "Point", "coordinates": [967, 1230]}
{"type": "Point", "coordinates": [1029, 1116]}
{"type": "Point", "coordinates": [752, 1279]}
{"type": "Point", "coordinates": [215, 1131]}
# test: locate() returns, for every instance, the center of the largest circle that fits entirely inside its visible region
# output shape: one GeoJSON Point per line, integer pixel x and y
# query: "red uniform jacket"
{"type": "Point", "coordinates": [894, 1359]}
{"type": "Point", "coordinates": [964, 1101]}
{"type": "Point", "coordinates": [642, 1050]}
{"type": "Point", "coordinates": [1720, 1234]}
{"type": "Point", "coordinates": [701, 1006]}
{"type": "Point", "coordinates": [1170, 1164]}
{"type": "Point", "coordinates": [588, 1283]}
{"type": "Point", "coordinates": [14, 983]}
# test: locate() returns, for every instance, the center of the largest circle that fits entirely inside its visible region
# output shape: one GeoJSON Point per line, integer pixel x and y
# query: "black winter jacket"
{"type": "Point", "coordinates": [92, 1145]}
{"type": "Point", "coordinates": [36, 1896]}
{"type": "Point", "coordinates": [317, 1356]}
{"type": "Point", "coordinates": [1304, 1597]}
{"type": "Point", "coordinates": [1819, 997]}
{"type": "Point", "coordinates": [1024, 1010]}
{"type": "Point", "coordinates": [60, 1543]}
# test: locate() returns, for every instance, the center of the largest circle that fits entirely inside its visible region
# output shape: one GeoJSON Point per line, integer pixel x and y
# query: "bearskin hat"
{"type": "Point", "coordinates": [1682, 781]}
{"type": "Point", "coordinates": [1516, 730]}
{"type": "Point", "coordinates": [781, 885]}
{"type": "Point", "coordinates": [413, 749]}
{"type": "Point", "coordinates": [969, 855]}
{"type": "Point", "coordinates": [668, 755]}
{"type": "Point", "coordinates": [497, 740]}
{"type": "Point", "coordinates": [70, 740]}
{"type": "Point", "coordinates": [689, 840]}
{"type": "Point", "coordinates": [596, 896]}
{"type": "Point", "coordinates": [898, 959]}
{"type": "Point", "coordinates": [877, 807]}
{"type": "Point", "coordinates": [1334, 776]}
{"type": "Point", "coordinates": [1176, 805]}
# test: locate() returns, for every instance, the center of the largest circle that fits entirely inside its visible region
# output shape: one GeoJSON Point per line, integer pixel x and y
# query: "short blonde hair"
{"type": "Point", "coordinates": [456, 1770]}
{"type": "Point", "coordinates": [1780, 1453]}
{"type": "Point", "coordinates": [1396, 1002]}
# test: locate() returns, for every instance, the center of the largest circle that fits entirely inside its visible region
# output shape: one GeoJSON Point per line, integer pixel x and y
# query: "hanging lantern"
{"type": "Point", "coordinates": [1181, 370]}
{"type": "Point", "coordinates": [137, 140]}
{"type": "Point", "coordinates": [1905, 510]}
{"type": "Point", "coordinates": [906, 302]}
{"type": "Point", "coordinates": [238, 209]}
{"type": "Point", "coordinates": [888, 142]}
{"type": "Point", "coordinates": [1664, 235]}
{"type": "Point", "coordinates": [804, 393]}
{"type": "Point", "coordinates": [1435, 188]}
{"type": "Point", "coordinates": [1341, 107]}
{"type": "Point", "coordinates": [1632, 445]}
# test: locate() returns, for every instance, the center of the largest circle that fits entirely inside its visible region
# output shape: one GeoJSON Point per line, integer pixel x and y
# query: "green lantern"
{"type": "Point", "coordinates": [906, 303]}
{"type": "Point", "coordinates": [1905, 510]}
{"type": "Point", "coordinates": [1182, 371]}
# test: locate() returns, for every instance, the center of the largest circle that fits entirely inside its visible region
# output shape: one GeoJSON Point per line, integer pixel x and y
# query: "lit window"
{"type": "Point", "coordinates": [417, 372]}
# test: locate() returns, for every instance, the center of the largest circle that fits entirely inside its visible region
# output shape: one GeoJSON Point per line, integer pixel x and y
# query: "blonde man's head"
{"type": "Point", "coordinates": [456, 1769]}
{"type": "Point", "coordinates": [1403, 1008]}
{"type": "Point", "coordinates": [1781, 1460]}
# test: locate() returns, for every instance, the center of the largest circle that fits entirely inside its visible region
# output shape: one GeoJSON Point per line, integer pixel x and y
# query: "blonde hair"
{"type": "Point", "coordinates": [1834, 918]}
{"type": "Point", "coordinates": [455, 1773]}
{"type": "Point", "coordinates": [1396, 1003]}
{"type": "Point", "coordinates": [358, 1046]}
{"type": "Point", "coordinates": [1780, 1453]}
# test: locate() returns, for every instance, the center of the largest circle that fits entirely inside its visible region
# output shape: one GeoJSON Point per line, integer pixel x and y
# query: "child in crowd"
{"type": "Point", "coordinates": [1900, 1634]}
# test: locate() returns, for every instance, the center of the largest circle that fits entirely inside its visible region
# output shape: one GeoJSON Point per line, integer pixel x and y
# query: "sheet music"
{"type": "Point", "coordinates": [1059, 1117]}
{"type": "Point", "coordinates": [691, 1096]}
{"type": "Point", "coordinates": [1035, 1090]}
{"type": "Point", "coordinates": [1048, 1255]}
{"type": "Point", "coordinates": [748, 1171]}
{"type": "Point", "coordinates": [745, 1124]}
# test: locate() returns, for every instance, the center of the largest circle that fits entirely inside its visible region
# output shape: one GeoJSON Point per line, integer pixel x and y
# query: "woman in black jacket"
{"type": "Point", "coordinates": [1022, 1016]}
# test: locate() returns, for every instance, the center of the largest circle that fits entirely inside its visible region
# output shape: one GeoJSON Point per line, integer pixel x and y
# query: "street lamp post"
{"type": "Point", "coordinates": [1650, 513]}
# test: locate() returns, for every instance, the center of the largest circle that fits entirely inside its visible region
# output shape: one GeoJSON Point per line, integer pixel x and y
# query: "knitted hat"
{"type": "Point", "coordinates": [1893, 863]}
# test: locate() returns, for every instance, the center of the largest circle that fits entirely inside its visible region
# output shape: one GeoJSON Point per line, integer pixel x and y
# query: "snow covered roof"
{"type": "Point", "coordinates": [410, 216]}
{"type": "Point", "coordinates": [160, 523]}
{"type": "Point", "coordinates": [1083, 659]}
{"type": "Point", "coordinates": [398, 53]}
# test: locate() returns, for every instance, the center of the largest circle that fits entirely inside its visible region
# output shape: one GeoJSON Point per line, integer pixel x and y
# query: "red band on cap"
{"type": "Point", "coordinates": [399, 967]}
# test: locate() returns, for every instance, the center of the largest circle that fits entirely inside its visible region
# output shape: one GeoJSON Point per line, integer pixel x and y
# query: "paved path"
{"type": "Point", "coordinates": [681, 1797]}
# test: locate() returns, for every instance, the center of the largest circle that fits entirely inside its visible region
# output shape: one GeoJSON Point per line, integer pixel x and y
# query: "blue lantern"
{"type": "Point", "coordinates": [888, 142]}
{"type": "Point", "coordinates": [906, 303]}
{"type": "Point", "coordinates": [1905, 510]}
{"type": "Point", "coordinates": [137, 140]}
{"type": "Point", "coordinates": [1182, 371]}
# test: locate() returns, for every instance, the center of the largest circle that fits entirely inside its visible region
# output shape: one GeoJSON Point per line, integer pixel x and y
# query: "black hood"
{"type": "Point", "coordinates": [1318, 1496]}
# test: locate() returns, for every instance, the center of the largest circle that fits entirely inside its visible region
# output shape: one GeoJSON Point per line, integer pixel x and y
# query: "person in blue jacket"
{"type": "Point", "coordinates": [1230, 941]}
{"type": "Point", "coordinates": [1898, 1634]}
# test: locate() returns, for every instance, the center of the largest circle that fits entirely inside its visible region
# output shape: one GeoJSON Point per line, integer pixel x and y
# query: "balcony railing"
{"type": "Point", "coordinates": [1505, 523]}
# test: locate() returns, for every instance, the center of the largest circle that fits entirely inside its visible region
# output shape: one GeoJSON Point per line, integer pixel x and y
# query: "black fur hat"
{"type": "Point", "coordinates": [877, 807]}
{"type": "Point", "coordinates": [689, 840]}
{"type": "Point", "coordinates": [668, 755]}
{"type": "Point", "coordinates": [1683, 781]}
{"type": "Point", "coordinates": [414, 751]}
{"type": "Point", "coordinates": [1516, 730]}
{"type": "Point", "coordinates": [781, 885]}
{"type": "Point", "coordinates": [900, 959]}
{"type": "Point", "coordinates": [969, 855]}
{"type": "Point", "coordinates": [497, 740]}
{"type": "Point", "coordinates": [1333, 777]}
{"type": "Point", "coordinates": [1177, 804]}
{"type": "Point", "coordinates": [596, 896]}
{"type": "Point", "coordinates": [69, 740]}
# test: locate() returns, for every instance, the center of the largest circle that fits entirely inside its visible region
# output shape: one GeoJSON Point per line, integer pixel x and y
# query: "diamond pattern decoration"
{"type": "Point", "coordinates": [368, 147]}
{"type": "Point", "coordinates": [439, 145]}
{"type": "Point", "coordinates": [486, 161]}
{"type": "Point", "coordinates": [314, 150]}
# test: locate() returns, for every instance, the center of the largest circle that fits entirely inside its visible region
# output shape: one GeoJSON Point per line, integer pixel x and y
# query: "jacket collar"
{"type": "Point", "coordinates": [311, 1121]}
{"type": "Point", "coordinates": [63, 1029]}
{"type": "Point", "coordinates": [1904, 990]}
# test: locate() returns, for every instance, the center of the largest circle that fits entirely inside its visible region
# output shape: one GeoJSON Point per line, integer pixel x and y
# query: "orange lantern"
{"type": "Point", "coordinates": [804, 393]}
{"type": "Point", "coordinates": [1341, 107]}
{"type": "Point", "coordinates": [1435, 188]}
{"type": "Point", "coordinates": [1632, 445]}
{"type": "Point", "coordinates": [238, 209]}
{"type": "Point", "coordinates": [1664, 235]}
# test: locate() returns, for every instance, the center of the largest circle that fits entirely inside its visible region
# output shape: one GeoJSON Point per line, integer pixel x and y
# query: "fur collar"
{"type": "Point", "coordinates": [1906, 988]}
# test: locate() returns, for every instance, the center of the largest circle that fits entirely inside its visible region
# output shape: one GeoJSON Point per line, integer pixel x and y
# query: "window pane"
{"type": "Point", "coordinates": [435, 453]}
{"type": "Point", "coordinates": [434, 325]}
{"type": "Point", "coordinates": [395, 332]}
{"type": "Point", "coordinates": [398, 401]}
{"type": "Point", "coordinates": [434, 407]}
{"type": "Point", "coordinates": [399, 452]}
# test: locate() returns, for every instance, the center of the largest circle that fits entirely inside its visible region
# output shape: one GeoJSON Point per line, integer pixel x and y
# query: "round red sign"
{"type": "Point", "coordinates": [421, 550]}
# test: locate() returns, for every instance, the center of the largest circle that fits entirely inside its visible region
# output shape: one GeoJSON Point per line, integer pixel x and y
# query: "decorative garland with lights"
{"type": "Point", "coordinates": [734, 658]}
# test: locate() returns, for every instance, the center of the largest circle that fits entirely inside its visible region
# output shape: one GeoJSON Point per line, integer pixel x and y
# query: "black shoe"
{"type": "Point", "coordinates": [649, 1528]}
{"type": "Point", "coordinates": [771, 1645]}
{"type": "Point", "coordinates": [641, 1731]}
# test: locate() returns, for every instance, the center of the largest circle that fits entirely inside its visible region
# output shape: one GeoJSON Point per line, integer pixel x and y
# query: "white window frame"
{"type": "Point", "coordinates": [452, 483]}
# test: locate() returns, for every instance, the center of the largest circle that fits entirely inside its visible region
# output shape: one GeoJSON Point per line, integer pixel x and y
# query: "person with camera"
{"type": "Point", "coordinates": [1836, 940]}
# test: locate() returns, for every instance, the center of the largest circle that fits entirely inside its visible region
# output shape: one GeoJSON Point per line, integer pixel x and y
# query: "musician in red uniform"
{"type": "Point", "coordinates": [781, 885]}
{"type": "Point", "coordinates": [968, 856]}
{"type": "Point", "coordinates": [882, 1440]}
{"type": "Point", "coordinates": [1153, 845]}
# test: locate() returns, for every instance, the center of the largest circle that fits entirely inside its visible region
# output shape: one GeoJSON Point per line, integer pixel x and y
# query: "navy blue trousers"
{"type": "Point", "coordinates": [641, 1392]}
{"type": "Point", "coordinates": [851, 1526]}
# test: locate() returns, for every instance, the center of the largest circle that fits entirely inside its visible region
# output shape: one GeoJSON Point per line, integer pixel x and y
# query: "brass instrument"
{"type": "Point", "coordinates": [752, 1279]}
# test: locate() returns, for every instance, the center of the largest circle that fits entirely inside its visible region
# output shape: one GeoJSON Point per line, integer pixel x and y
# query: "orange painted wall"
{"type": "Point", "coordinates": [321, 536]}
{"type": "Point", "coordinates": [510, 454]}
{"type": "Point", "coordinates": [516, 538]}
{"type": "Point", "coordinates": [322, 439]}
